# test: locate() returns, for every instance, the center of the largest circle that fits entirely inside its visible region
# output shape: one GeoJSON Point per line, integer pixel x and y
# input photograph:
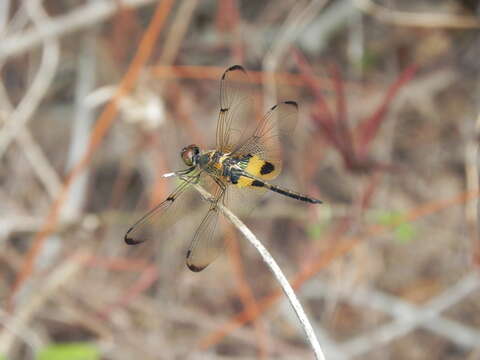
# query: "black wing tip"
{"type": "Point", "coordinates": [130, 241]}
{"type": "Point", "coordinates": [232, 68]}
{"type": "Point", "coordinates": [316, 201]}
{"type": "Point", "coordinates": [291, 102]}
{"type": "Point", "coordinates": [236, 67]}
{"type": "Point", "coordinates": [195, 268]}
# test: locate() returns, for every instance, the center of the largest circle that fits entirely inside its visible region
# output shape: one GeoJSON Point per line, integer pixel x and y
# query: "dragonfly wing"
{"type": "Point", "coordinates": [264, 145]}
{"type": "Point", "coordinates": [207, 243]}
{"type": "Point", "coordinates": [236, 108]}
{"type": "Point", "coordinates": [162, 216]}
{"type": "Point", "coordinates": [242, 201]}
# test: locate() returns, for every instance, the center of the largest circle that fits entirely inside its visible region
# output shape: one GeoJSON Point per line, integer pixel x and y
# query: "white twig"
{"type": "Point", "coordinates": [405, 18]}
{"type": "Point", "coordinates": [14, 223]}
{"type": "Point", "coordinates": [81, 18]}
{"type": "Point", "coordinates": [39, 161]}
{"type": "Point", "coordinates": [277, 272]}
{"type": "Point", "coordinates": [28, 336]}
{"type": "Point", "coordinates": [177, 31]}
{"type": "Point", "coordinates": [315, 37]}
{"type": "Point", "coordinates": [40, 84]}
{"type": "Point", "coordinates": [4, 11]}
{"type": "Point", "coordinates": [43, 292]}
{"type": "Point", "coordinates": [477, 167]}
{"type": "Point", "coordinates": [406, 317]}
{"type": "Point", "coordinates": [33, 151]}
{"type": "Point", "coordinates": [82, 122]}
{"type": "Point", "coordinates": [294, 25]}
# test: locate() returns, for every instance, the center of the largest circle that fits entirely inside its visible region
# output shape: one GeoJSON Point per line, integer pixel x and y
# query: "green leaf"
{"type": "Point", "coordinates": [70, 351]}
{"type": "Point", "coordinates": [403, 230]}
{"type": "Point", "coordinates": [390, 218]}
{"type": "Point", "coordinates": [404, 233]}
{"type": "Point", "coordinates": [315, 230]}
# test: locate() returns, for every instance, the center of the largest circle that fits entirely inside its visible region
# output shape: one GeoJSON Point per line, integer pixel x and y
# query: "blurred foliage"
{"type": "Point", "coordinates": [403, 230]}
{"type": "Point", "coordinates": [72, 351]}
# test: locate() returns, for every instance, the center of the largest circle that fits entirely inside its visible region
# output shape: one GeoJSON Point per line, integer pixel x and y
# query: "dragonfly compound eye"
{"type": "Point", "coordinates": [188, 154]}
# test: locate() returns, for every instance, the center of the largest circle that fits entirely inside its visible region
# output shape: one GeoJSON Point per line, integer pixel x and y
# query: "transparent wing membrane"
{"type": "Point", "coordinates": [207, 242]}
{"type": "Point", "coordinates": [236, 108]}
{"type": "Point", "coordinates": [278, 123]}
{"type": "Point", "coordinates": [162, 216]}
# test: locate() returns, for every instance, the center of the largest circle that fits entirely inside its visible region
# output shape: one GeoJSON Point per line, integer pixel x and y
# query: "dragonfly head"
{"type": "Point", "coordinates": [190, 155]}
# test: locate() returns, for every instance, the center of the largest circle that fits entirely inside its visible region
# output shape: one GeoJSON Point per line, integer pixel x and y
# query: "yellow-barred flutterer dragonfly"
{"type": "Point", "coordinates": [247, 156]}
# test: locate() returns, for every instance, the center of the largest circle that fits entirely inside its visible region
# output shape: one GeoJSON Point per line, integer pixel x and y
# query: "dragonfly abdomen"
{"type": "Point", "coordinates": [292, 194]}
{"type": "Point", "coordinates": [257, 182]}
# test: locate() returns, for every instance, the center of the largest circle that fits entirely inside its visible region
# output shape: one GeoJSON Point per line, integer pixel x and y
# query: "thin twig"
{"type": "Point", "coordinates": [295, 23]}
{"type": "Point", "coordinates": [4, 11]}
{"type": "Point", "coordinates": [81, 18]}
{"type": "Point", "coordinates": [245, 293]}
{"type": "Point", "coordinates": [177, 31]}
{"type": "Point", "coordinates": [406, 316]}
{"type": "Point", "coordinates": [476, 244]}
{"type": "Point", "coordinates": [277, 272]}
{"type": "Point", "coordinates": [82, 121]}
{"type": "Point", "coordinates": [28, 336]}
{"type": "Point", "coordinates": [472, 163]}
{"type": "Point", "coordinates": [34, 153]}
{"type": "Point", "coordinates": [41, 83]}
{"type": "Point", "coordinates": [44, 290]}
{"type": "Point", "coordinates": [428, 20]}
{"type": "Point", "coordinates": [102, 126]}
{"type": "Point", "coordinates": [343, 245]}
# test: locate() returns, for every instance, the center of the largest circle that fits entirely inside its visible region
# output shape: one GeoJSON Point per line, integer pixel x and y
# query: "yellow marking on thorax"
{"type": "Point", "coordinates": [218, 165]}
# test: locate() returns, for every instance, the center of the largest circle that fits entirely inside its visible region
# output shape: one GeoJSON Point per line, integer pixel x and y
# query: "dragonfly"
{"type": "Point", "coordinates": [247, 156]}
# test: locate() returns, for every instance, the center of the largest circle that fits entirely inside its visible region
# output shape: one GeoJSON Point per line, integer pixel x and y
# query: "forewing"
{"type": "Point", "coordinates": [236, 108]}
{"type": "Point", "coordinates": [207, 243]}
{"type": "Point", "coordinates": [162, 216]}
{"type": "Point", "coordinates": [266, 142]}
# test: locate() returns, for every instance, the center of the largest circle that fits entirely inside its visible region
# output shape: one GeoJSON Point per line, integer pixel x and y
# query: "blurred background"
{"type": "Point", "coordinates": [98, 97]}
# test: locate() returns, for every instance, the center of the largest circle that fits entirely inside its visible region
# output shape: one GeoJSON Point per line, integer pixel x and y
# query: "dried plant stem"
{"type": "Point", "coordinates": [82, 122]}
{"type": "Point", "coordinates": [80, 18]}
{"type": "Point", "coordinates": [300, 16]}
{"type": "Point", "coordinates": [476, 244]}
{"type": "Point", "coordinates": [44, 291]}
{"type": "Point", "coordinates": [40, 84]}
{"type": "Point", "coordinates": [102, 125]}
{"type": "Point", "coordinates": [277, 272]}
{"type": "Point", "coordinates": [34, 153]}
{"type": "Point", "coordinates": [427, 20]}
